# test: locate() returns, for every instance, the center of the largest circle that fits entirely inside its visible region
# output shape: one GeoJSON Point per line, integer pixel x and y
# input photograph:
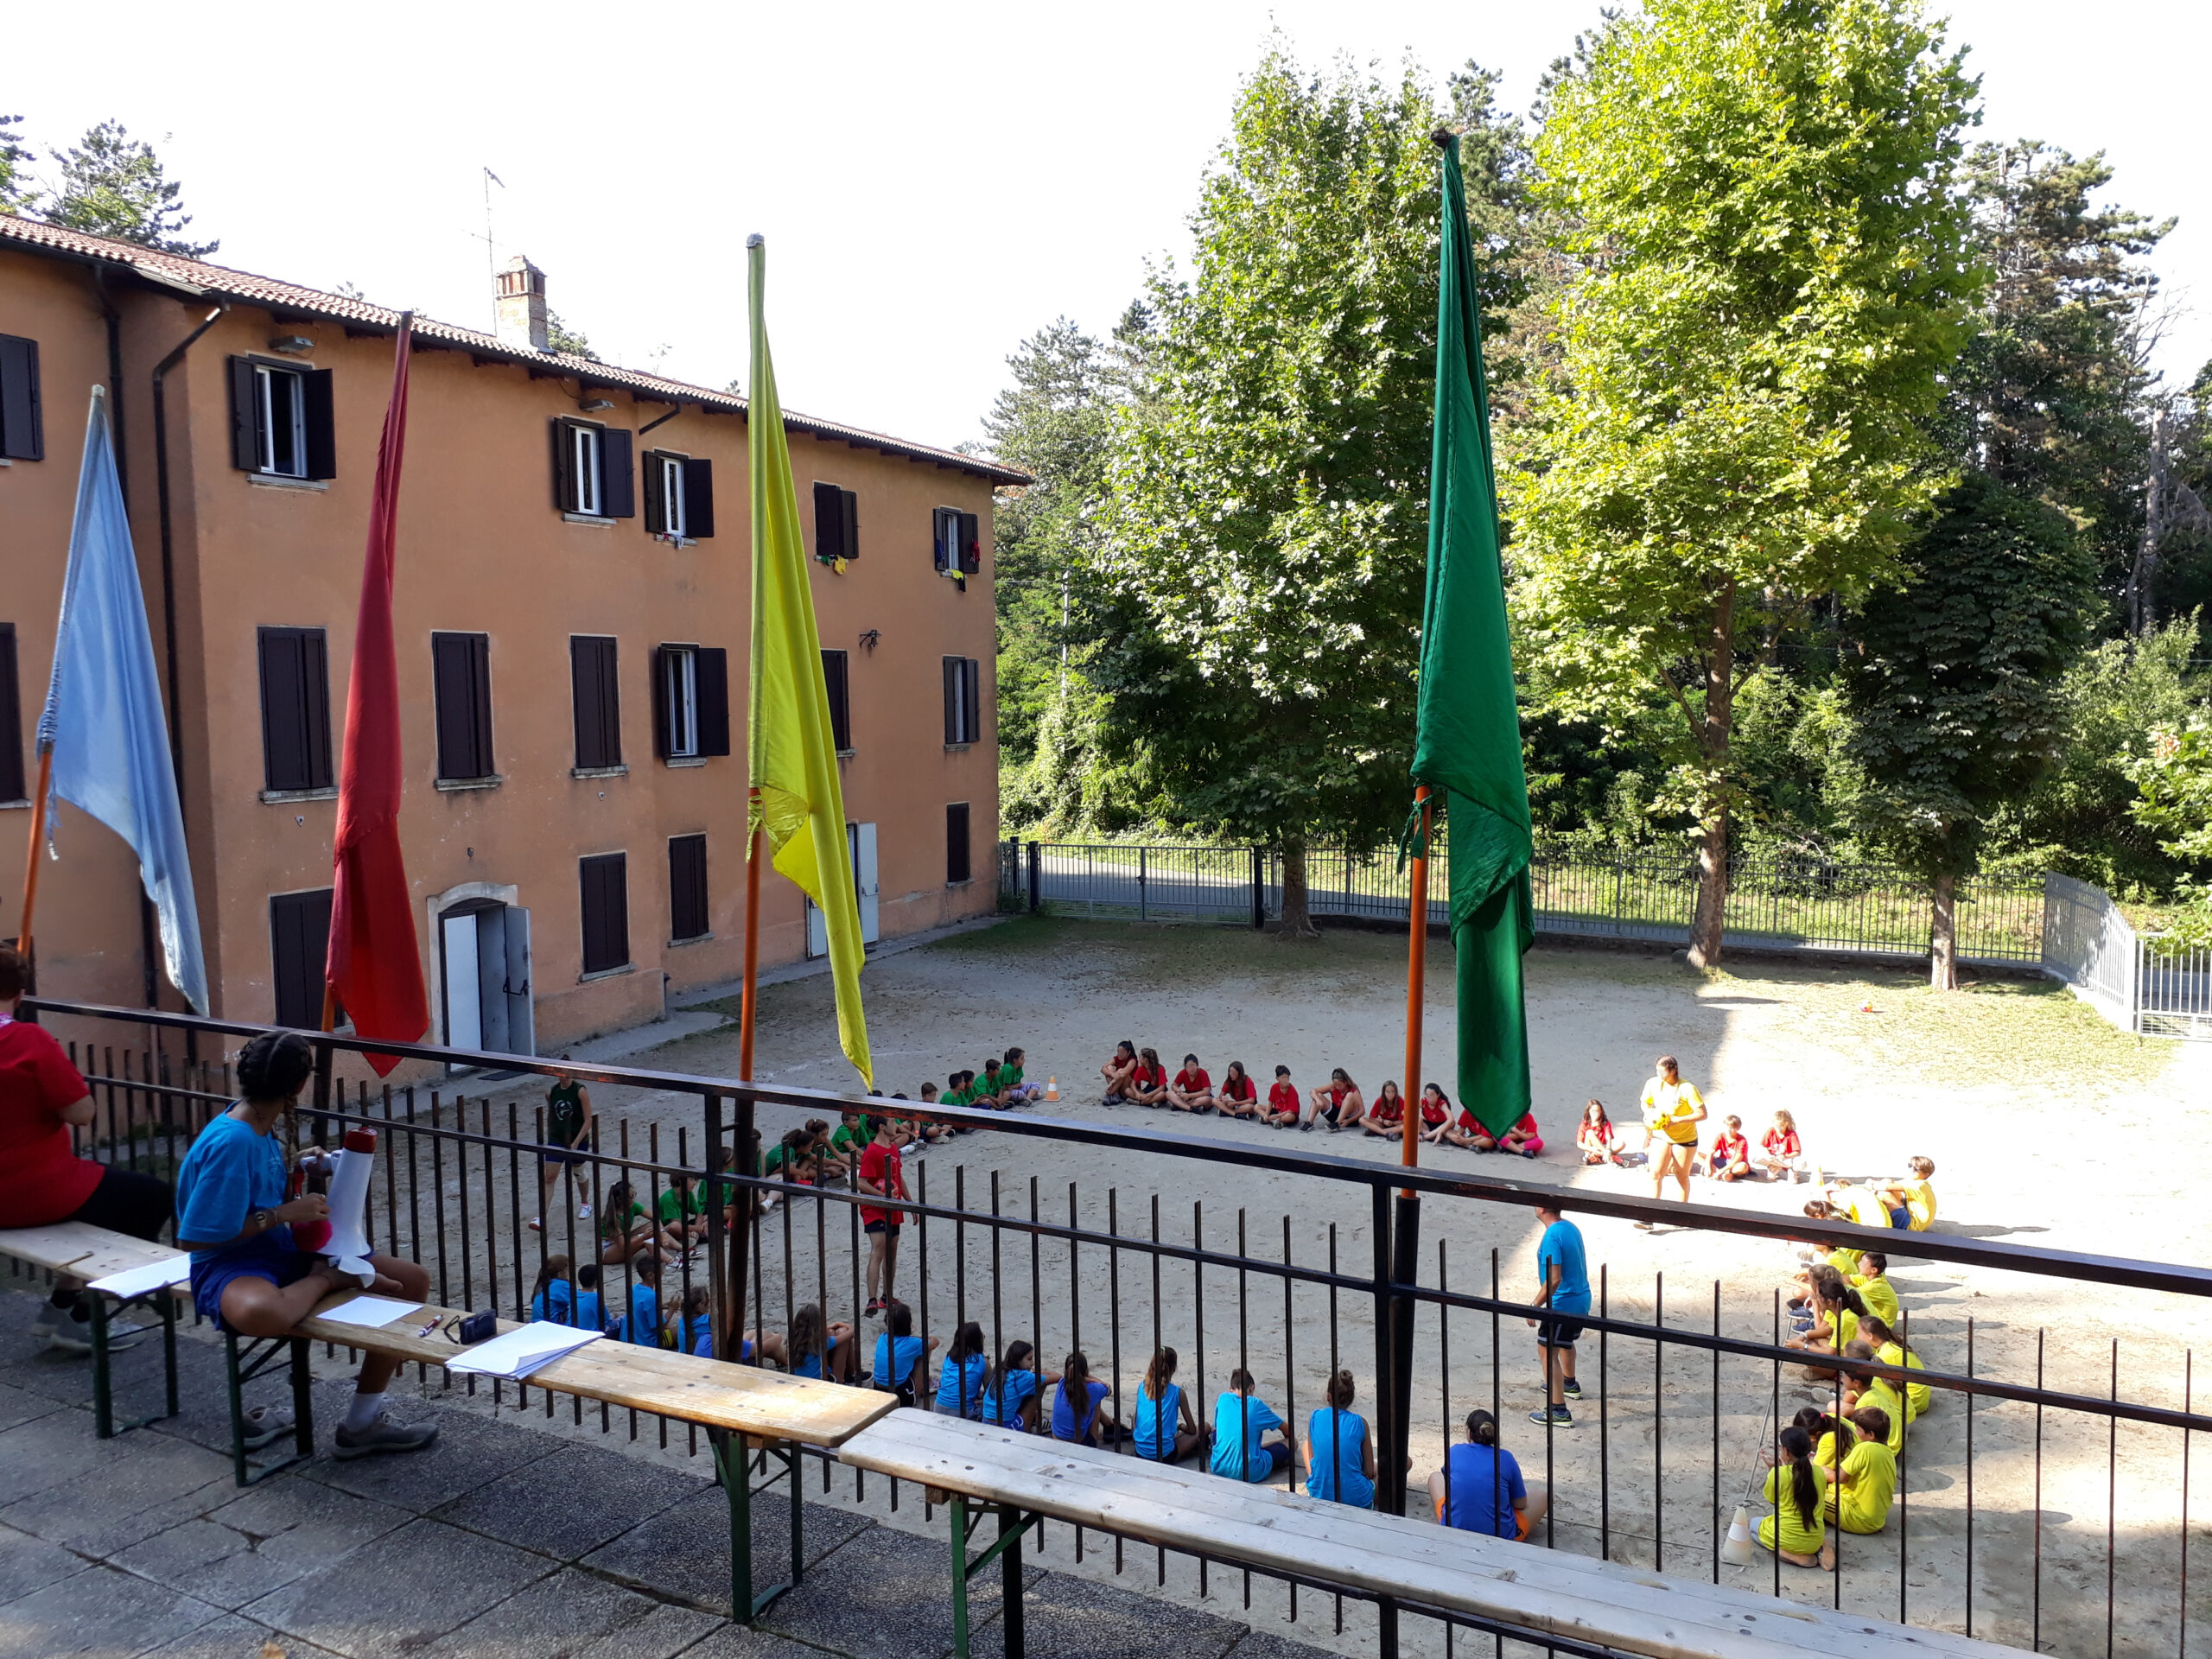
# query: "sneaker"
{"type": "Point", "coordinates": [583, 1212]}
{"type": "Point", "coordinates": [53, 1327]}
{"type": "Point", "coordinates": [382, 1435]}
{"type": "Point", "coordinates": [1571, 1389]}
{"type": "Point", "coordinates": [873, 1308]}
{"type": "Point", "coordinates": [1559, 1416]}
{"type": "Point", "coordinates": [266, 1423]}
{"type": "Point", "coordinates": [537, 1225]}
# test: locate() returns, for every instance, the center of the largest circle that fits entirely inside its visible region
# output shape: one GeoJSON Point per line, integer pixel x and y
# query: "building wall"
{"type": "Point", "coordinates": [482, 548]}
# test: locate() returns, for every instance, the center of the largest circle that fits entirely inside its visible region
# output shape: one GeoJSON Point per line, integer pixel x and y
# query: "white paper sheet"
{"type": "Point", "coordinates": [520, 1351]}
{"type": "Point", "coordinates": [371, 1311]}
{"type": "Point", "coordinates": [137, 1281]}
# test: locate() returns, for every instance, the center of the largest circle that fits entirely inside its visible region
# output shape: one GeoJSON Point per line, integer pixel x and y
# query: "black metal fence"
{"type": "Point", "coordinates": [1811, 905]}
{"type": "Point", "coordinates": [2040, 1502]}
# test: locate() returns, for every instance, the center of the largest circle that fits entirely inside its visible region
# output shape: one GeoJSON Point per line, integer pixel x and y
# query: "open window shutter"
{"type": "Point", "coordinates": [245, 417]}
{"type": "Point", "coordinates": [564, 468]}
{"type": "Point", "coordinates": [971, 674]}
{"type": "Point", "coordinates": [661, 655]}
{"type": "Point", "coordinates": [829, 522]}
{"type": "Point", "coordinates": [23, 432]}
{"type": "Point", "coordinates": [972, 543]}
{"type": "Point", "coordinates": [938, 539]}
{"type": "Point", "coordinates": [449, 684]}
{"type": "Point", "coordinates": [833, 668]}
{"type": "Point", "coordinates": [299, 949]}
{"type": "Point", "coordinates": [952, 700]}
{"type": "Point", "coordinates": [957, 864]}
{"type": "Point", "coordinates": [618, 496]}
{"type": "Point", "coordinates": [656, 496]}
{"type": "Point", "coordinates": [712, 669]}
{"type": "Point", "coordinates": [687, 886]}
{"type": "Point", "coordinates": [610, 703]}
{"type": "Point", "coordinates": [583, 702]}
{"type": "Point", "coordinates": [849, 507]}
{"type": "Point", "coordinates": [315, 708]}
{"type": "Point", "coordinates": [699, 498]}
{"type": "Point", "coordinates": [11, 719]}
{"type": "Point", "coordinates": [322, 428]}
{"type": "Point", "coordinates": [283, 699]}
{"type": "Point", "coordinates": [479, 657]}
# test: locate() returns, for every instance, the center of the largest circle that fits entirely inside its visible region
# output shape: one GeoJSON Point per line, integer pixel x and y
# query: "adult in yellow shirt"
{"type": "Point", "coordinates": [1859, 1499]}
{"type": "Point", "coordinates": [1672, 1111]}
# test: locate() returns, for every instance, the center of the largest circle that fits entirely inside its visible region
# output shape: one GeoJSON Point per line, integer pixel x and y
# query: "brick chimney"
{"type": "Point", "coordinates": [520, 305]}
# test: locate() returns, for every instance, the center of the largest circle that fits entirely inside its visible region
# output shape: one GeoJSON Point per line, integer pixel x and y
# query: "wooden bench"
{"type": "Point", "coordinates": [740, 1406]}
{"type": "Point", "coordinates": [1395, 1560]}
{"type": "Point", "coordinates": [88, 1252]}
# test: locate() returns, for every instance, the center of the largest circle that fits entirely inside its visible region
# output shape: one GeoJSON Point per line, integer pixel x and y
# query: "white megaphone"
{"type": "Point", "coordinates": [347, 1247]}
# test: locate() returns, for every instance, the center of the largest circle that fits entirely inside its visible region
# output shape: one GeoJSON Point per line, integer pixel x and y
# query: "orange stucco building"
{"type": "Point", "coordinates": [572, 615]}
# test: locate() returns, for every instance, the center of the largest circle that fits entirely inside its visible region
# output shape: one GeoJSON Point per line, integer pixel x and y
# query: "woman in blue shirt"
{"type": "Point", "coordinates": [1165, 1429]}
{"type": "Point", "coordinates": [899, 1354]}
{"type": "Point", "coordinates": [247, 1274]}
{"type": "Point", "coordinates": [1339, 1454]}
{"type": "Point", "coordinates": [1480, 1489]}
{"type": "Point", "coordinates": [960, 1380]}
{"type": "Point", "coordinates": [1011, 1388]}
{"type": "Point", "coordinates": [1241, 1422]}
{"type": "Point", "coordinates": [1075, 1402]}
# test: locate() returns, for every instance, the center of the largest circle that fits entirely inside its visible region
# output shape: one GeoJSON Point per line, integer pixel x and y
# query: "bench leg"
{"type": "Point", "coordinates": [103, 1423]}
{"type": "Point", "coordinates": [957, 1513]}
{"type": "Point", "coordinates": [798, 1513]}
{"type": "Point", "coordinates": [734, 1468]}
{"type": "Point", "coordinates": [238, 1371]}
{"type": "Point", "coordinates": [102, 1381]}
{"type": "Point", "coordinates": [1010, 1623]}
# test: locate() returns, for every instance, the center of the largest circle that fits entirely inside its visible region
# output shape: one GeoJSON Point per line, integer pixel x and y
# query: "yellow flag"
{"type": "Point", "coordinates": [792, 752]}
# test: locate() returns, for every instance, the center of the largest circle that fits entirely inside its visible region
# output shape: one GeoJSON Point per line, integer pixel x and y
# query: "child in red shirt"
{"type": "Point", "coordinates": [1120, 1073]}
{"type": "Point", "coordinates": [880, 1177]}
{"type": "Point", "coordinates": [1523, 1137]}
{"type": "Point", "coordinates": [1594, 1137]}
{"type": "Point", "coordinates": [1729, 1159]}
{"type": "Point", "coordinates": [1388, 1114]}
{"type": "Point", "coordinates": [1147, 1085]}
{"type": "Point", "coordinates": [1239, 1096]}
{"type": "Point", "coordinates": [1782, 1155]}
{"type": "Point", "coordinates": [1193, 1089]}
{"type": "Point", "coordinates": [1435, 1113]}
{"type": "Point", "coordinates": [1283, 1106]}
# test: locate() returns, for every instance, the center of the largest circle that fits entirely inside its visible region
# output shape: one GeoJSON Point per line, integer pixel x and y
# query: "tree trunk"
{"type": "Point", "coordinates": [1708, 922]}
{"type": "Point", "coordinates": [1297, 922]}
{"type": "Point", "coordinates": [2143, 575]}
{"type": "Point", "coordinates": [1943, 935]}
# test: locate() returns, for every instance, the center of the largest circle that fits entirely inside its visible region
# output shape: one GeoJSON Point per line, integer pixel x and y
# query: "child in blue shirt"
{"type": "Point", "coordinates": [1241, 1422]}
{"type": "Point", "coordinates": [1162, 1426]}
{"type": "Point", "coordinates": [1339, 1453]}
{"type": "Point", "coordinates": [899, 1354]}
{"type": "Point", "coordinates": [1480, 1489]}
{"type": "Point", "coordinates": [1076, 1405]}
{"type": "Point", "coordinates": [960, 1380]}
{"type": "Point", "coordinates": [590, 1312]}
{"type": "Point", "coordinates": [641, 1325]}
{"type": "Point", "coordinates": [233, 1216]}
{"type": "Point", "coordinates": [1010, 1388]}
{"type": "Point", "coordinates": [553, 1298]}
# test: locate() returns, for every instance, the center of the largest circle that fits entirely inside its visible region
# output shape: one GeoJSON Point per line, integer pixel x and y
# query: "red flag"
{"type": "Point", "coordinates": [374, 966]}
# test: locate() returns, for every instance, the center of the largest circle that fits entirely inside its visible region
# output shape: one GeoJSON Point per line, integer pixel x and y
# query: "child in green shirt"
{"type": "Point", "coordinates": [681, 1210]}
{"type": "Point", "coordinates": [1013, 1091]}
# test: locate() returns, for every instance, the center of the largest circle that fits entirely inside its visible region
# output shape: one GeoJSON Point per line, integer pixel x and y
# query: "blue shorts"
{"type": "Point", "coordinates": [269, 1255]}
{"type": "Point", "coordinates": [1901, 1217]}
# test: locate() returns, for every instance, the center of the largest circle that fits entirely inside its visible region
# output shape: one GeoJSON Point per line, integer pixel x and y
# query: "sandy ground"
{"type": "Point", "coordinates": [2046, 1127]}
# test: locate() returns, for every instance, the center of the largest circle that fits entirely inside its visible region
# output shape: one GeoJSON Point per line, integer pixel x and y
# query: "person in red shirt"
{"type": "Point", "coordinates": [1388, 1116]}
{"type": "Point", "coordinates": [1148, 1083]}
{"type": "Point", "coordinates": [1782, 1155]}
{"type": "Point", "coordinates": [882, 1177]}
{"type": "Point", "coordinates": [1435, 1115]}
{"type": "Point", "coordinates": [1282, 1100]}
{"type": "Point", "coordinates": [42, 1180]}
{"type": "Point", "coordinates": [1340, 1105]}
{"type": "Point", "coordinates": [1522, 1138]}
{"type": "Point", "coordinates": [1193, 1089]}
{"type": "Point", "coordinates": [1120, 1073]}
{"type": "Point", "coordinates": [1239, 1096]}
{"type": "Point", "coordinates": [1731, 1157]}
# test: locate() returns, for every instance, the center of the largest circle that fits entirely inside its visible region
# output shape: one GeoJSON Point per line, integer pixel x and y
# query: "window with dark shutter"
{"type": "Point", "coordinates": [834, 680]}
{"type": "Point", "coordinates": [970, 530]}
{"type": "Point", "coordinates": [656, 492]}
{"type": "Point", "coordinates": [319, 421]}
{"type": "Point", "coordinates": [295, 709]}
{"type": "Point", "coordinates": [971, 703]}
{"type": "Point", "coordinates": [687, 887]}
{"type": "Point", "coordinates": [299, 944]}
{"type": "Point", "coordinates": [564, 466]}
{"type": "Point", "coordinates": [245, 443]}
{"type": "Point", "coordinates": [605, 881]}
{"type": "Point", "coordinates": [711, 668]}
{"type": "Point", "coordinates": [963, 682]}
{"type": "Point", "coordinates": [11, 719]}
{"type": "Point", "coordinates": [957, 864]}
{"type": "Point", "coordinates": [23, 424]}
{"type": "Point", "coordinates": [698, 498]}
{"type": "Point", "coordinates": [829, 522]}
{"type": "Point", "coordinates": [461, 677]}
{"type": "Point", "coordinates": [618, 496]}
{"type": "Point", "coordinates": [598, 700]}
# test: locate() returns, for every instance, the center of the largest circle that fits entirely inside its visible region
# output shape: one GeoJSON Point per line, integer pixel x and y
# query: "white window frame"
{"type": "Point", "coordinates": [584, 457]}
{"type": "Point", "coordinates": [683, 703]}
{"type": "Point", "coordinates": [948, 548]}
{"type": "Point", "coordinates": [674, 521]}
{"type": "Point", "coordinates": [265, 392]}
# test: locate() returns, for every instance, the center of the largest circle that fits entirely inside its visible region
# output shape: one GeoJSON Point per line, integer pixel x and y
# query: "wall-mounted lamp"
{"type": "Point", "coordinates": [592, 405]}
{"type": "Point", "coordinates": [292, 344]}
{"type": "Point", "coordinates": [870, 639]}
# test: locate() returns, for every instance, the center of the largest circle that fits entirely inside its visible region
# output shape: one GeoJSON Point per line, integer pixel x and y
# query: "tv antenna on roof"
{"type": "Point", "coordinates": [491, 254]}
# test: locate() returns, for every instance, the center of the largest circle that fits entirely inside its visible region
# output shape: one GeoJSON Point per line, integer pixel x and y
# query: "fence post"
{"type": "Point", "coordinates": [1259, 894]}
{"type": "Point", "coordinates": [1144, 912]}
{"type": "Point", "coordinates": [1036, 867]}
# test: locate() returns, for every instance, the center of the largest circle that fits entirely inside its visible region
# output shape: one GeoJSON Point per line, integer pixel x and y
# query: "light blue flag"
{"type": "Point", "coordinates": [103, 719]}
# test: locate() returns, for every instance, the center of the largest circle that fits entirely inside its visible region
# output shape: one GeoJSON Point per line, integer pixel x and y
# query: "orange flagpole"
{"type": "Point", "coordinates": [1417, 977]}
{"type": "Point", "coordinates": [30, 856]}
{"type": "Point", "coordinates": [747, 1008]}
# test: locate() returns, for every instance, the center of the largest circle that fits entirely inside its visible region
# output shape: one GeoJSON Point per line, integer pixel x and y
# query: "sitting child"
{"type": "Point", "coordinates": [1193, 1089]}
{"type": "Point", "coordinates": [1877, 1391]}
{"type": "Point", "coordinates": [1148, 1083]}
{"type": "Point", "coordinates": [1782, 1155]}
{"type": "Point", "coordinates": [1339, 1104]}
{"type": "Point", "coordinates": [1594, 1137]}
{"type": "Point", "coordinates": [1120, 1073]}
{"type": "Point", "coordinates": [1911, 1203]}
{"type": "Point", "coordinates": [1283, 1108]}
{"type": "Point", "coordinates": [1522, 1138]}
{"type": "Point", "coordinates": [1387, 1116]}
{"type": "Point", "coordinates": [1013, 1090]}
{"type": "Point", "coordinates": [1466, 1130]}
{"type": "Point", "coordinates": [1435, 1113]}
{"type": "Point", "coordinates": [1872, 1282]}
{"type": "Point", "coordinates": [1730, 1159]}
{"type": "Point", "coordinates": [1238, 1096]}
{"type": "Point", "coordinates": [988, 1092]}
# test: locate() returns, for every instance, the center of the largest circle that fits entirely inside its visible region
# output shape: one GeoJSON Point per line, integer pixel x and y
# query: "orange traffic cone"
{"type": "Point", "coordinates": [1051, 1088]}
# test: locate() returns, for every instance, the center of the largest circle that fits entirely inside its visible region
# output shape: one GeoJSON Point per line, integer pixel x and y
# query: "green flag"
{"type": "Point", "coordinates": [1467, 746]}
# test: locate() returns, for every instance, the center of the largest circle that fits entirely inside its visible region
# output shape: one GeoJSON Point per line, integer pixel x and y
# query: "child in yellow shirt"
{"type": "Point", "coordinates": [1911, 1205]}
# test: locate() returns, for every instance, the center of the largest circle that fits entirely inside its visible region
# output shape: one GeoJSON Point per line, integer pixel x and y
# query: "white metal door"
{"type": "Point", "coordinates": [464, 992]}
{"type": "Point", "coordinates": [521, 1006]}
{"type": "Point", "coordinates": [864, 881]}
{"type": "Point", "coordinates": [491, 978]}
{"type": "Point", "coordinates": [817, 930]}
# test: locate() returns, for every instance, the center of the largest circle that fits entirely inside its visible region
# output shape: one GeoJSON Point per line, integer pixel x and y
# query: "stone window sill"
{"type": "Point", "coordinates": [606, 973]}
{"type": "Point", "coordinates": [462, 786]}
{"type": "Point", "coordinates": [9, 805]}
{"type": "Point", "coordinates": [287, 796]}
{"type": "Point", "coordinates": [697, 938]}
{"type": "Point", "coordinates": [587, 518]}
{"type": "Point", "coordinates": [277, 481]}
{"type": "Point", "coordinates": [599, 772]}
{"type": "Point", "coordinates": [686, 760]}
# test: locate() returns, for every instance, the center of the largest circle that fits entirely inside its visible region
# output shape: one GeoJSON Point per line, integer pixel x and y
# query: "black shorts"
{"type": "Point", "coordinates": [1554, 1331]}
{"type": "Point", "coordinates": [891, 1227]}
{"type": "Point", "coordinates": [127, 1202]}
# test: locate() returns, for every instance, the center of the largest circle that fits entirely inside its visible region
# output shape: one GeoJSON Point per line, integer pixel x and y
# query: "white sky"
{"type": "Point", "coordinates": [934, 182]}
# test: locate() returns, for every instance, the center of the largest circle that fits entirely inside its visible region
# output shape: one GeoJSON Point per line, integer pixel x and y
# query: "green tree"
{"type": "Point", "coordinates": [1953, 693]}
{"type": "Point", "coordinates": [1269, 502]}
{"type": "Point", "coordinates": [559, 337]}
{"type": "Point", "coordinates": [16, 195]}
{"type": "Point", "coordinates": [114, 185]}
{"type": "Point", "coordinates": [1772, 275]}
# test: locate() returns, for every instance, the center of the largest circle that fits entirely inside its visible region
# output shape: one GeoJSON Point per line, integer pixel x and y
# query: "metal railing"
{"type": "Point", "coordinates": [1809, 905]}
{"type": "Point", "coordinates": [2034, 1482]}
{"type": "Point", "coordinates": [2141, 984]}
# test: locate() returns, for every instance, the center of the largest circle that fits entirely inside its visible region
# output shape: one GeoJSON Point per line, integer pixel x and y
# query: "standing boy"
{"type": "Point", "coordinates": [880, 1177]}
{"type": "Point", "coordinates": [1566, 1293]}
{"type": "Point", "coordinates": [568, 1139]}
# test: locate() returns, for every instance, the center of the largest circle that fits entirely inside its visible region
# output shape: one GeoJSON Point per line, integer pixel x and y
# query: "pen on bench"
{"type": "Point", "coordinates": [426, 1328]}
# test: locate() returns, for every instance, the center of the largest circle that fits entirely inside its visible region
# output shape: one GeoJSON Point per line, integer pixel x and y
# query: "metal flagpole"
{"type": "Point", "coordinates": [30, 857]}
